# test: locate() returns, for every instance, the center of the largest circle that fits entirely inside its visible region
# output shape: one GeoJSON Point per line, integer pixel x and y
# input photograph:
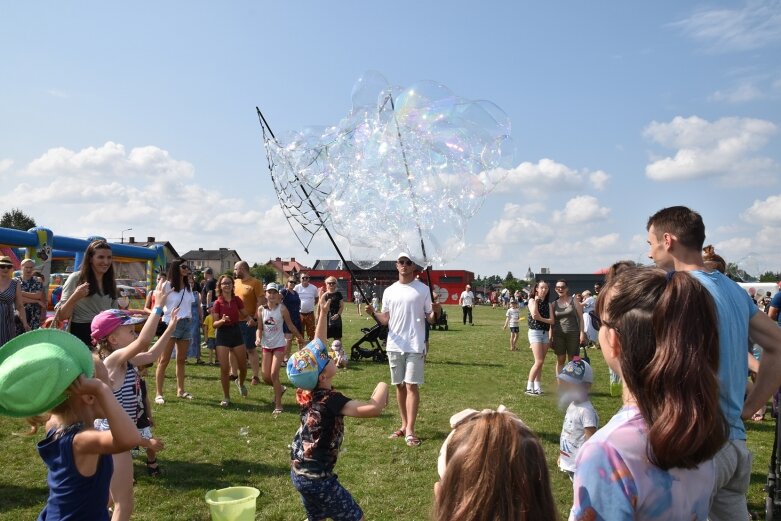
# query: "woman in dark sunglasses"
{"type": "Point", "coordinates": [10, 299]}
{"type": "Point", "coordinates": [336, 306]}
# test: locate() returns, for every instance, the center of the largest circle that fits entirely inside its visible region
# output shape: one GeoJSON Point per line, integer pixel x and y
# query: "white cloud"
{"type": "Point", "coordinates": [102, 190]}
{"type": "Point", "coordinates": [599, 179]}
{"type": "Point", "coordinates": [546, 175]}
{"type": "Point", "coordinates": [5, 165]}
{"type": "Point", "coordinates": [57, 93]}
{"type": "Point", "coordinates": [518, 226]}
{"type": "Point", "coordinates": [742, 92]}
{"type": "Point", "coordinates": [724, 149]}
{"type": "Point", "coordinates": [767, 212]}
{"type": "Point", "coordinates": [581, 209]}
{"type": "Point", "coordinates": [754, 25]}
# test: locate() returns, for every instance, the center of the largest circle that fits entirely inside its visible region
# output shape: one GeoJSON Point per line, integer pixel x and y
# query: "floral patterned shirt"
{"type": "Point", "coordinates": [616, 481]}
{"type": "Point", "coordinates": [316, 445]}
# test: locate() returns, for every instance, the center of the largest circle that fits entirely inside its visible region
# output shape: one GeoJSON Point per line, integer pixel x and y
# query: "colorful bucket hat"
{"type": "Point", "coordinates": [37, 367]}
{"type": "Point", "coordinates": [304, 367]}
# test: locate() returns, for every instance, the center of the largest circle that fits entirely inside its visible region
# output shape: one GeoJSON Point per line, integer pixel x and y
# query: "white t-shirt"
{"type": "Point", "coordinates": [467, 298]}
{"type": "Point", "coordinates": [182, 299]}
{"type": "Point", "coordinates": [407, 305]}
{"type": "Point", "coordinates": [514, 315]}
{"type": "Point", "coordinates": [308, 296]}
{"type": "Point", "coordinates": [573, 436]}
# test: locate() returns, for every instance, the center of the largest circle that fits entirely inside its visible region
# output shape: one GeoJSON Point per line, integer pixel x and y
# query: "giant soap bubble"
{"type": "Point", "coordinates": [405, 170]}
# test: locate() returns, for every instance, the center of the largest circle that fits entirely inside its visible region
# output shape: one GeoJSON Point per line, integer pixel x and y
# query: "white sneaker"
{"type": "Point", "coordinates": [538, 392]}
{"type": "Point", "coordinates": [530, 392]}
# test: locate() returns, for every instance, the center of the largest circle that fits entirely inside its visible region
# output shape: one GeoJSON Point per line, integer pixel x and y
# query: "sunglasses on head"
{"type": "Point", "coordinates": [405, 262]}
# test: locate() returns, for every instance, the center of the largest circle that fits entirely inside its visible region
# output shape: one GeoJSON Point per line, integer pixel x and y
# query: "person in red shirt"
{"type": "Point", "coordinates": [228, 311]}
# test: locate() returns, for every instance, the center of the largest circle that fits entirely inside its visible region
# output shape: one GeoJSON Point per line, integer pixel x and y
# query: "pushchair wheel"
{"type": "Point", "coordinates": [769, 509]}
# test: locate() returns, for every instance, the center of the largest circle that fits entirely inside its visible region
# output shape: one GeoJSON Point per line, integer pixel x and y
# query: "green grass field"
{"type": "Point", "coordinates": [467, 367]}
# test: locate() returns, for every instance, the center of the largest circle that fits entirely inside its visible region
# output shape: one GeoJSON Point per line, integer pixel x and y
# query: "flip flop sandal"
{"type": "Point", "coordinates": [185, 396]}
{"type": "Point", "coordinates": [277, 412]}
{"type": "Point", "coordinates": [225, 404]}
{"type": "Point", "coordinates": [412, 441]}
{"type": "Point", "coordinates": [255, 381]}
{"type": "Point", "coordinates": [159, 400]}
{"type": "Point", "coordinates": [396, 434]}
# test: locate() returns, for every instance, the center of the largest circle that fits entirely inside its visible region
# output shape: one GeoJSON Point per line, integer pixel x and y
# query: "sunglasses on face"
{"type": "Point", "coordinates": [5, 267]}
{"type": "Point", "coordinates": [331, 283]}
{"type": "Point", "coordinates": [404, 263]}
{"type": "Point", "coordinates": [226, 284]}
{"type": "Point", "coordinates": [183, 267]}
{"type": "Point", "coordinates": [304, 278]}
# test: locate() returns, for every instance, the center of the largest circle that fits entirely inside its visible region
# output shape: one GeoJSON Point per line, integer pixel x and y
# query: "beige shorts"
{"type": "Point", "coordinates": [406, 367]}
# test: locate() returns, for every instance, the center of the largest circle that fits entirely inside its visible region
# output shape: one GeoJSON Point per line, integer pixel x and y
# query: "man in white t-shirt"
{"type": "Point", "coordinates": [466, 301]}
{"type": "Point", "coordinates": [405, 306]}
{"type": "Point", "coordinates": [308, 294]}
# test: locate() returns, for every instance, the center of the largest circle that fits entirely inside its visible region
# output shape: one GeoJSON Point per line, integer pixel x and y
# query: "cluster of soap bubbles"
{"type": "Point", "coordinates": [404, 171]}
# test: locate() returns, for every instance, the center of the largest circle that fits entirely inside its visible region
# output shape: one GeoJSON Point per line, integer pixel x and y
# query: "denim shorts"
{"type": "Point", "coordinates": [326, 499]}
{"type": "Point", "coordinates": [183, 329]}
{"type": "Point", "coordinates": [538, 336]}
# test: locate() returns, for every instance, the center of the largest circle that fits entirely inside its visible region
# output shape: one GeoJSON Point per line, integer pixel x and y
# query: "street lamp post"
{"type": "Point", "coordinates": [122, 235]}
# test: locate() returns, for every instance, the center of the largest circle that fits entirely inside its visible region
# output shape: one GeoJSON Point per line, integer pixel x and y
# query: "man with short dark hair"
{"type": "Point", "coordinates": [675, 238]}
{"type": "Point", "coordinates": [209, 291]}
{"type": "Point", "coordinates": [250, 291]}
{"type": "Point", "coordinates": [405, 306]}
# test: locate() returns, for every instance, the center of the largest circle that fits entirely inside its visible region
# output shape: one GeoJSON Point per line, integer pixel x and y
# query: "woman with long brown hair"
{"type": "Point", "coordinates": [227, 312]}
{"type": "Point", "coordinates": [653, 460]}
{"type": "Point", "coordinates": [180, 299]}
{"type": "Point", "coordinates": [492, 466]}
{"type": "Point", "coordinates": [540, 321]}
{"type": "Point", "coordinates": [89, 291]}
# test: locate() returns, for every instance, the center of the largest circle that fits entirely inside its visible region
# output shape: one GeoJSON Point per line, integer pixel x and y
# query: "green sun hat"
{"type": "Point", "coordinates": [37, 367]}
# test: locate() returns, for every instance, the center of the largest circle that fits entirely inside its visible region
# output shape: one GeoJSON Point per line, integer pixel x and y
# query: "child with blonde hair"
{"type": "Point", "coordinates": [492, 466]}
{"type": "Point", "coordinates": [122, 351]}
{"type": "Point", "coordinates": [77, 456]}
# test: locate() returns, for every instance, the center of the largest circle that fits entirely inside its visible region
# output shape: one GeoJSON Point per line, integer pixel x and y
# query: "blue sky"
{"type": "Point", "coordinates": [142, 115]}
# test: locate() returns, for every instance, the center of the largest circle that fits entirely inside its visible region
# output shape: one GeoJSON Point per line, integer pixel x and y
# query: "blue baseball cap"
{"type": "Point", "coordinates": [577, 371]}
{"type": "Point", "coordinates": [304, 366]}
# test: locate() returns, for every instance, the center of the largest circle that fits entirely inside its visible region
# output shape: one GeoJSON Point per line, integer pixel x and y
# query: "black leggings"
{"type": "Point", "coordinates": [467, 313]}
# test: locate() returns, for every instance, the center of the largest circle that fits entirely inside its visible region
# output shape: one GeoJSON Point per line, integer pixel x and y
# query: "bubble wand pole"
{"type": "Point", "coordinates": [265, 127]}
{"type": "Point", "coordinates": [411, 192]}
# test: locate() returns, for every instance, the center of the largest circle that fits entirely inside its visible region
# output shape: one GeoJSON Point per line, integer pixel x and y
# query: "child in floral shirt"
{"type": "Point", "coordinates": [316, 445]}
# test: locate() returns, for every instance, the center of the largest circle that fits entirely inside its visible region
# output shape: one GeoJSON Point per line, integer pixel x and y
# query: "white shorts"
{"type": "Point", "coordinates": [406, 367]}
{"type": "Point", "coordinates": [538, 336]}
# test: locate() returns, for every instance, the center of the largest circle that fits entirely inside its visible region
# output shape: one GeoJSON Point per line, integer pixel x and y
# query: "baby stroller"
{"type": "Point", "coordinates": [773, 499]}
{"type": "Point", "coordinates": [441, 322]}
{"type": "Point", "coordinates": [375, 337]}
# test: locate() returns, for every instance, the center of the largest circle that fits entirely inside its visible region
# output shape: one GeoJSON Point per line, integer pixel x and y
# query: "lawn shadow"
{"type": "Point", "coordinates": [470, 364]}
{"type": "Point", "coordinates": [22, 496]}
{"type": "Point", "coordinates": [186, 475]}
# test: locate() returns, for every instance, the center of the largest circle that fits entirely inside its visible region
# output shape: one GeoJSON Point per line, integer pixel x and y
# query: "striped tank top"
{"type": "Point", "coordinates": [128, 396]}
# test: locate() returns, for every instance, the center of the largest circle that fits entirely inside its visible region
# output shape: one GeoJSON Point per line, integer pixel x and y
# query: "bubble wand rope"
{"type": "Point", "coordinates": [265, 127]}
{"type": "Point", "coordinates": [411, 193]}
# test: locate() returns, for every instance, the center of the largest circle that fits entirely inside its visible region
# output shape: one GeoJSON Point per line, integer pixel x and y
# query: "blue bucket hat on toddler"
{"type": "Point", "coordinates": [577, 371]}
{"type": "Point", "coordinates": [304, 367]}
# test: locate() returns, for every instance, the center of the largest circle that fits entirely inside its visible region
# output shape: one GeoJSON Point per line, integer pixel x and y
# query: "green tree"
{"type": "Point", "coordinates": [769, 276]}
{"type": "Point", "coordinates": [509, 276]}
{"type": "Point", "coordinates": [263, 273]}
{"type": "Point", "coordinates": [17, 219]}
{"type": "Point", "coordinates": [513, 285]}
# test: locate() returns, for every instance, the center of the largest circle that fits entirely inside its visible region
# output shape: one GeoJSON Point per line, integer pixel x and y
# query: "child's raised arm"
{"type": "Point", "coordinates": [370, 409]}
{"type": "Point", "coordinates": [321, 330]}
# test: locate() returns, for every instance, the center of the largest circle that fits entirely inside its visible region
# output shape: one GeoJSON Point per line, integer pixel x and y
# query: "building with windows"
{"type": "Point", "coordinates": [220, 261]}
